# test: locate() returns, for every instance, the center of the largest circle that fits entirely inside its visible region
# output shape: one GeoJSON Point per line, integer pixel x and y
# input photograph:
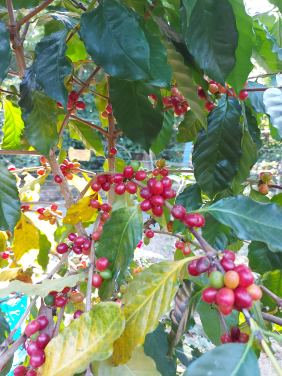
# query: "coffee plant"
{"type": "Point", "coordinates": [94, 308]}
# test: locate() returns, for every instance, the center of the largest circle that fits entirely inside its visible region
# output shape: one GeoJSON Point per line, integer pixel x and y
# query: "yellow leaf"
{"type": "Point", "coordinates": [80, 211]}
{"type": "Point", "coordinates": [3, 238]}
{"type": "Point", "coordinates": [6, 275]}
{"type": "Point", "coordinates": [26, 238]}
{"type": "Point", "coordinates": [88, 338]}
{"type": "Point", "coordinates": [145, 299]}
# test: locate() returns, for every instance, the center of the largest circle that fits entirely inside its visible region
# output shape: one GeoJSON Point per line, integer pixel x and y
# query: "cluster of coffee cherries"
{"type": "Point", "coordinates": [49, 214]}
{"type": "Point", "coordinates": [68, 169]}
{"type": "Point", "coordinates": [42, 170]}
{"type": "Point", "coordinates": [235, 289]}
{"type": "Point", "coordinates": [35, 349]}
{"type": "Point", "coordinates": [153, 98]}
{"type": "Point", "coordinates": [109, 110]}
{"type": "Point", "coordinates": [177, 100]}
{"type": "Point", "coordinates": [105, 208]}
{"type": "Point", "coordinates": [235, 336]}
{"type": "Point", "coordinates": [73, 103]}
{"type": "Point", "coordinates": [264, 180]}
{"type": "Point", "coordinates": [61, 299]}
{"type": "Point", "coordinates": [5, 255]}
{"type": "Point", "coordinates": [184, 245]}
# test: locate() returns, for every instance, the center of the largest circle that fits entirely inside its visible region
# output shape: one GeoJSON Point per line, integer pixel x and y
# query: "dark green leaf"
{"type": "Point", "coordinates": [10, 207]}
{"type": "Point", "coordinates": [156, 347]}
{"type": "Point", "coordinates": [17, 4]}
{"type": "Point", "coordinates": [89, 137]}
{"type": "Point", "coordinates": [216, 234]}
{"type": "Point", "coordinates": [272, 99]}
{"type": "Point", "coordinates": [239, 75]}
{"type": "Point", "coordinates": [261, 259]}
{"type": "Point", "coordinates": [217, 153]}
{"type": "Point", "coordinates": [13, 127]}
{"type": "Point", "coordinates": [118, 39]}
{"type": "Point", "coordinates": [251, 124]}
{"type": "Point", "coordinates": [250, 220]}
{"type": "Point", "coordinates": [188, 128]}
{"type": "Point", "coordinates": [189, 6]}
{"type": "Point", "coordinates": [44, 250]}
{"type": "Point", "coordinates": [209, 315]}
{"type": "Point", "coordinates": [184, 78]}
{"type": "Point", "coordinates": [5, 51]}
{"type": "Point", "coordinates": [4, 331]}
{"type": "Point", "coordinates": [273, 282]}
{"type": "Point", "coordinates": [232, 359]}
{"type": "Point", "coordinates": [41, 124]}
{"type": "Point", "coordinates": [121, 233]}
{"type": "Point", "coordinates": [27, 87]}
{"type": "Point", "coordinates": [256, 97]}
{"type": "Point", "coordinates": [213, 44]}
{"type": "Point", "coordinates": [53, 27]}
{"type": "Point", "coordinates": [277, 3]}
{"type": "Point", "coordinates": [52, 67]}
{"type": "Point", "coordinates": [135, 115]}
{"type": "Point", "coordinates": [68, 22]}
{"type": "Point", "coordinates": [187, 300]}
{"type": "Point", "coordinates": [187, 354]}
{"type": "Point", "coordinates": [164, 136]}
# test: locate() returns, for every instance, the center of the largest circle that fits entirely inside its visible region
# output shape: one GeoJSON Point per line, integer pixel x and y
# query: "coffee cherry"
{"type": "Point", "coordinates": [175, 101]}
{"type": "Point", "coordinates": [95, 186]}
{"type": "Point", "coordinates": [229, 255]}
{"type": "Point", "coordinates": [209, 295]}
{"type": "Point", "coordinates": [128, 172]}
{"type": "Point", "coordinates": [241, 267]}
{"type": "Point", "coordinates": [31, 348]}
{"type": "Point", "coordinates": [19, 371]}
{"type": "Point", "coordinates": [254, 291]}
{"type": "Point", "coordinates": [166, 101]}
{"type": "Point", "coordinates": [242, 298]}
{"type": "Point", "coordinates": [79, 240]}
{"type": "Point", "coordinates": [186, 250]}
{"type": "Point", "coordinates": [158, 211]}
{"type": "Point", "coordinates": [146, 205]}
{"type": "Point", "coordinates": [244, 337]}
{"type": "Point", "coordinates": [42, 340]}
{"type": "Point", "coordinates": [105, 216]}
{"type": "Point", "coordinates": [156, 172]}
{"type": "Point", "coordinates": [140, 175]}
{"type": "Point", "coordinates": [179, 244]}
{"type": "Point", "coordinates": [178, 110]}
{"type": "Point", "coordinates": [95, 204]}
{"type": "Point", "coordinates": [120, 188]}
{"type": "Point", "coordinates": [131, 187]}
{"type": "Point", "coordinates": [43, 322]}
{"type": "Point", "coordinates": [77, 297]}
{"type": "Point", "coordinates": [211, 269]}
{"type": "Point", "coordinates": [225, 338]}
{"type": "Point", "coordinates": [146, 241]}
{"type": "Point", "coordinates": [168, 193]}
{"type": "Point", "coordinates": [157, 188]}
{"type": "Point", "coordinates": [263, 189]}
{"type": "Point", "coordinates": [202, 265]}
{"type": "Point", "coordinates": [77, 313]}
{"type": "Point", "coordinates": [72, 236]}
{"type": "Point", "coordinates": [96, 236]}
{"type": "Point", "coordinates": [106, 274]}
{"type": "Point", "coordinates": [222, 89]}
{"type": "Point", "coordinates": [87, 245]}
{"type": "Point", "coordinates": [49, 300]}
{"type": "Point", "coordinates": [11, 168]}
{"type": "Point", "coordinates": [5, 255]}
{"type": "Point", "coordinates": [118, 178]}
{"type": "Point", "coordinates": [192, 268]}
{"type": "Point", "coordinates": [31, 372]}
{"type": "Point", "coordinates": [54, 207]}
{"type": "Point", "coordinates": [41, 171]}
{"type": "Point", "coordinates": [235, 333]}
{"type": "Point", "coordinates": [225, 297]}
{"type": "Point", "coordinates": [265, 176]}
{"type": "Point", "coordinates": [227, 264]}
{"type": "Point", "coordinates": [32, 327]}
{"type": "Point", "coordinates": [162, 163]}
{"type": "Point", "coordinates": [213, 88]}
{"type": "Point", "coordinates": [80, 105]}
{"type": "Point", "coordinates": [60, 301]}
{"type": "Point", "coordinates": [102, 264]}
{"type": "Point", "coordinates": [37, 358]}
{"type": "Point", "coordinates": [149, 234]}
{"type": "Point", "coordinates": [77, 249]}
{"type": "Point", "coordinates": [178, 212]}
{"type": "Point", "coordinates": [246, 278]}
{"type": "Point", "coordinates": [106, 186]}
{"type": "Point", "coordinates": [157, 200]}
{"type": "Point", "coordinates": [231, 279]}
{"type": "Point", "coordinates": [96, 280]}
{"type": "Point", "coordinates": [69, 175]}
{"type": "Point", "coordinates": [191, 220]}
{"type": "Point", "coordinates": [146, 193]}
{"type": "Point", "coordinates": [216, 279]}
{"type": "Point", "coordinates": [106, 207]}
{"type": "Point", "coordinates": [101, 179]}
{"type": "Point", "coordinates": [225, 310]}
{"type": "Point", "coordinates": [201, 93]}
{"type": "Point", "coordinates": [43, 159]}
{"type": "Point", "coordinates": [73, 96]}
{"type": "Point", "coordinates": [66, 290]}
{"type": "Point", "coordinates": [164, 172]}
{"type": "Point", "coordinates": [53, 293]}
{"type": "Point", "coordinates": [109, 109]}
{"type": "Point", "coordinates": [243, 95]}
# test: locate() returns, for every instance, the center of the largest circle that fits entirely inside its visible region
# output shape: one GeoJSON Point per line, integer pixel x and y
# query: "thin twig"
{"type": "Point", "coordinates": [179, 237]}
{"type": "Point", "coordinates": [34, 12]}
{"type": "Point", "coordinates": [59, 320]}
{"type": "Point", "coordinates": [13, 73]}
{"type": "Point", "coordinates": [271, 318]}
{"type": "Point", "coordinates": [263, 75]}
{"type": "Point", "coordinates": [274, 297]}
{"type": "Point", "coordinates": [94, 126]}
{"type": "Point", "coordinates": [19, 152]}
{"type": "Point", "coordinates": [222, 321]}
{"type": "Point", "coordinates": [79, 5]}
{"type": "Point", "coordinates": [9, 92]}
{"type": "Point", "coordinates": [91, 91]}
{"type": "Point", "coordinates": [10, 352]}
{"type": "Point", "coordinates": [25, 30]}
{"type": "Point", "coordinates": [12, 297]}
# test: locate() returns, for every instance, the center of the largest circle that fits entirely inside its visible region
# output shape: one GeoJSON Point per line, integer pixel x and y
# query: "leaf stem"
{"type": "Point", "coordinates": [43, 203]}
{"type": "Point", "coordinates": [10, 352]}
{"type": "Point", "coordinates": [91, 91]}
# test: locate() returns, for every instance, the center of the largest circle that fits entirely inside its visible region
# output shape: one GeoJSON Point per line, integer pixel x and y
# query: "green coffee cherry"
{"type": "Point", "coordinates": [62, 271]}
{"type": "Point", "coordinates": [13, 89]}
{"type": "Point", "coordinates": [49, 300]}
{"type": "Point", "coordinates": [134, 165]}
{"type": "Point", "coordinates": [146, 241]}
{"type": "Point", "coordinates": [187, 238]}
{"type": "Point", "coordinates": [106, 274]}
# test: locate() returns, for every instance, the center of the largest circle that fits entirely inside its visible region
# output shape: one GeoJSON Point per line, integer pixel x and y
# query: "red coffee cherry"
{"type": "Point", "coordinates": [157, 200]}
{"type": "Point", "coordinates": [32, 327]}
{"type": "Point", "coordinates": [128, 172]}
{"type": "Point", "coordinates": [242, 298]}
{"type": "Point", "coordinates": [58, 179]}
{"type": "Point", "coordinates": [95, 186]}
{"type": "Point", "coordinates": [225, 310]}
{"type": "Point", "coordinates": [42, 340]}
{"type": "Point", "coordinates": [149, 234]}
{"type": "Point", "coordinates": [158, 211]}
{"type": "Point", "coordinates": [146, 205]}
{"type": "Point", "coordinates": [166, 182]}
{"type": "Point", "coordinates": [31, 348]}
{"type": "Point", "coordinates": [186, 250]}
{"type": "Point", "coordinates": [166, 101]}
{"type": "Point", "coordinates": [140, 175]}
{"type": "Point", "coordinates": [102, 264]}
{"type": "Point", "coordinates": [192, 268]}
{"type": "Point", "coordinates": [202, 265]}
{"type": "Point", "coordinates": [77, 313]}
{"type": "Point", "coordinates": [43, 322]}
{"type": "Point", "coordinates": [95, 204]}
{"type": "Point", "coordinates": [106, 186]}
{"type": "Point", "coordinates": [19, 371]}
{"type": "Point", "coordinates": [227, 264]}
{"type": "Point", "coordinates": [66, 290]}
{"type": "Point", "coordinates": [77, 249]}
{"type": "Point", "coordinates": [225, 297]}
{"type": "Point", "coordinates": [179, 244]}
{"type": "Point", "coordinates": [87, 245]}
{"type": "Point", "coordinates": [235, 333]}
{"type": "Point", "coordinates": [225, 338]}
{"type": "Point", "coordinates": [246, 278]}
{"type": "Point", "coordinates": [31, 372]}
{"type": "Point", "coordinates": [244, 337]}
{"type": "Point", "coordinates": [37, 358]}
{"type": "Point", "coordinates": [96, 236]}
{"type": "Point", "coordinates": [73, 96]}
{"type": "Point", "coordinates": [191, 220]}
{"type": "Point", "coordinates": [131, 187]}
{"type": "Point", "coordinates": [146, 193]}
{"type": "Point", "coordinates": [211, 269]}
{"type": "Point", "coordinates": [209, 295]}
{"type": "Point", "coordinates": [109, 109]}
{"type": "Point", "coordinates": [229, 255]}
{"type": "Point", "coordinates": [254, 291]}
{"type": "Point", "coordinates": [72, 236]}
{"type": "Point", "coordinates": [157, 188]}
{"type": "Point", "coordinates": [96, 280]}
{"type": "Point", "coordinates": [120, 189]}
{"type": "Point", "coordinates": [79, 240]}
{"type": "Point", "coordinates": [168, 193]}
{"type": "Point", "coordinates": [106, 207]}
{"type": "Point", "coordinates": [178, 212]}
{"type": "Point", "coordinates": [60, 301]}
{"type": "Point", "coordinates": [118, 178]}
{"type": "Point", "coordinates": [243, 95]}
{"type": "Point", "coordinates": [80, 105]}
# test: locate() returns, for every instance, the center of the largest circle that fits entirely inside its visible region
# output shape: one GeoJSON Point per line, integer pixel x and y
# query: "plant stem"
{"type": "Point", "coordinates": [222, 321]}
{"type": "Point", "coordinates": [274, 297]}
{"type": "Point", "coordinates": [34, 12]}
{"type": "Point", "coordinates": [94, 126]}
{"type": "Point", "coordinates": [59, 320]}
{"type": "Point", "coordinates": [262, 88]}
{"type": "Point", "coordinates": [8, 92]}
{"type": "Point", "coordinates": [19, 152]}
{"type": "Point", "coordinates": [10, 352]}
{"type": "Point", "coordinates": [13, 73]}
{"type": "Point", "coordinates": [271, 318]}
{"type": "Point", "coordinates": [111, 144]}
{"type": "Point", "coordinates": [79, 5]}
{"type": "Point", "coordinates": [271, 357]}
{"type": "Point", "coordinates": [12, 297]}
{"type": "Point", "coordinates": [91, 91]}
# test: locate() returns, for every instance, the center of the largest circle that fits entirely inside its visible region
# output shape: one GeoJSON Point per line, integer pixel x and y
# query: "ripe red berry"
{"type": "Point", "coordinates": [5, 255]}
{"type": "Point", "coordinates": [37, 358]}
{"type": "Point", "coordinates": [178, 212]}
{"type": "Point", "coordinates": [60, 301]}
{"type": "Point", "coordinates": [179, 245]}
{"type": "Point", "coordinates": [58, 179]}
{"type": "Point", "coordinates": [31, 372]}
{"type": "Point", "coordinates": [95, 236]}
{"type": "Point", "coordinates": [209, 295]}
{"type": "Point", "coordinates": [131, 187]}
{"type": "Point", "coordinates": [96, 280]}
{"type": "Point", "coordinates": [146, 193]}
{"type": "Point", "coordinates": [157, 188]}
{"type": "Point", "coordinates": [153, 97]}
{"type": "Point", "coordinates": [192, 268]}
{"type": "Point", "coordinates": [106, 186]}
{"type": "Point", "coordinates": [164, 172]}
{"type": "Point", "coordinates": [186, 250]}
{"type": "Point", "coordinates": [118, 178]}
{"type": "Point", "coordinates": [77, 249]}
{"type": "Point", "coordinates": [113, 151]}
{"type": "Point", "coordinates": [54, 207]}
{"type": "Point", "coordinates": [53, 293]}
{"type": "Point", "coordinates": [175, 92]}
{"type": "Point", "coordinates": [225, 297]}
{"type": "Point", "coordinates": [227, 264]}
{"type": "Point", "coordinates": [166, 182]}
{"type": "Point", "coordinates": [168, 193]}
{"type": "Point", "coordinates": [151, 182]}
{"type": "Point", "coordinates": [102, 264]}
{"type": "Point", "coordinates": [149, 234]}
{"type": "Point", "coordinates": [32, 327]}
{"type": "Point", "coordinates": [109, 109]}
{"type": "Point", "coordinates": [31, 348]}
{"type": "Point", "coordinates": [43, 322]}
{"type": "Point", "coordinates": [42, 340]}
{"type": "Point", "coordinates": [229, 255]}
{"type": "Point", "coordinates": [105, 216]}
{"type": "Point", "coordinates": [87, 245]}
{"type": "Point", "coordinates": [244, 337]}
{"type": "Point", "coordinates": [73, 96]}
{"type": "Point", "coordinates": [235, 333]}
{"type": "Point", "coordinates": [202, 265]}
{"type": "Point", "coordinates": [243, 95]}
{"type": "Point", "coordinates": [242, 298]}
{"type": "Point", "coordinates": [120, 188]}
{"type": "Point", "coordinates": [191, 220]}
{"type": "Point", "coordinates": [128, 172]}
{"type": "Point", "coordinates": [211, 269]}
{"type": "Point", "coordinates": [95, 204]}
{"type": "Point", "coordinates": [209, 106]}
{"type": "Point", "coordinates": [254, 291]}
{"type": "Point", "coordinates": [79, 240]}
{"type": "Point", "coordinates": [158, 211]}
{"type": "Point", "coordinates": [41, 171]}
{"type": "Point", "coordinates": [225, 310]}
{"type": "Point", "coordinates": [175, 101]}
{"type": "Point", "coordinates": [178, 110]}
{"type": "Point", "coordinates": [166, 101]}
{"type": "Point", "coordinates": [72, 236]}
{"type": "Point", "coordinates": [156, 172]}
{"type": "Point", "coordinates": [201, 93]}
{"type": "Point", "coordinates": [95, 186]}
{"type": "Point", "coordinates": [246, 278]}
{"type": "Point", "coordinates": [19, 371]}
{"type": "Point", "coordinates": [241, 267]}
{"type": "Point", "coordinates": [157, 200]}
{"type": "Point", "coordinates": [43, 159]}
{"type": "Point", "coordinates": [225, 338]}
{"type": "Point", "coordinates": [60, 105]}
{"type": "Point", "coordinates": [146, 205]}
{"type": "Point", "coordinates": [77, 314]}
{"type": "Point", "coordinates": [140, 175]}
{"type": "Point", "coordinates": [101, 179]}
{"type": "Point", "coordinates": [66, 290]}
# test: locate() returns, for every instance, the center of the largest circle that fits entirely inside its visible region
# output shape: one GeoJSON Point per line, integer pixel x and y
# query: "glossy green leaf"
{"type": "Point", "coordinates": [213, 44]}
{"type": "Point", "coordinates": [146, 298]}
{"type": "Point", "coordinates": [187, 300]}
{"type": "Point", "coordinates": [73, 349]}
{"type": "Point", "coordinates": [273, 282]}
{"type": "Point", "coordinates": [217, 153]}
{"type": "Point", "coordinates": [272, 99]}
{"type": "Point", "coordinates": [256, 196]}
{"type": "Point", "coordinates": [266, 19]}
{"type": "Point", "coordinates": [10, 207]}
{"type": "Point", "coordinates": [244, 23]}
{"type": "Point", "coordinates": [216, 234]}
{"type": "Point", "coordinates": [188, 128]}
{"type": "Point", "coordinates": [187, 354]}
{"type": "Point", "coordinates": [17, 4]}
{"type": "Point", "coordinates": [276, 31]}
{"type": "Point", "coordinates": [52, 67]}
{"type": "Point", "coordinates": [261, 259]}
{"type": "Point", "coordinates": [277, 199]}
{"type": "Point", "coordinates": [235, 247]}
{"type": "Point", "coordinates": [52, 27]}
{"type": "Point", "coordinates": [5, 50]}
{"type": "Point", "coordinates": [250, 220]}
{"type": "Point", "coordinates": [41, 124]}
{"type": "Point", "coordinates": [209, 315]}
{"type": "Point", "coordinates": [277, 3]}
{"type": "Point", "coordinates": [122, 201]}
{"type": "Point", "coordinates": [27, 87]}
{"type": "Point", "coordinates": [256, 97]}
{"type": "Point", "coordinates": [165, 134]}
{"type": "Point", "coordinates": [121, 233]}
{"type": "Point", "coordinates": [248, 159]}
{"type": "Point", "coordinates": [156, 347]}
{"type": "Point", "coordinates": [44, 288]}
{"type": "Point", "coordinates": [135, 115]}
{"type": "Point", "coordinates": [108, 39]}
{"type": "Point", "coordinates": [44, 250]}
{"type": "Point", "coordinates": [76, 50]}
{"type": "Point", "coordinates": [232, 359]}
{"type": "Point", "coordinates": [184, 78]}
{"type": "Point", "coordinates": [89, 137]}
{"type": "Point", "coordinates": [4, 331]}
{"type": "Point", "coordinates": [119, 165]}
{"type": "Point", "coordinates": [189, 6]}
{"type": "Point", "coordinates": [13, 127]}
{"type": "Point", "coordinates": [251, 125]}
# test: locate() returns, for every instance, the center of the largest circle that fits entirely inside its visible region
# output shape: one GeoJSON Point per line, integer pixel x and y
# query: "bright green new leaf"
{"type": "Point", "coordinates": [119, 165]}
{"type": "Point", "coordinates": [76, 49]}
{"type": "Point", "coordinates": [13, 127]}
{"type": "Point", "coordinates": [122, 201]}
{"type": "Point", "coordinates": [44, 250]}
{"type": "Point", "coordinates": [89, 137]}
{"type": "Point", "coordinates": [165, 134]}
{"type": "Point", "coordinates": [189, 128]}
{"type": "Point", "coordinates": [276, 31]}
